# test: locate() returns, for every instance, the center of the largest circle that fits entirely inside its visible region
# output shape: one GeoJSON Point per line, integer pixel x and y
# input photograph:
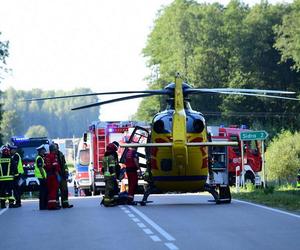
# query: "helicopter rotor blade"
{"type": "Point", "coordinates": [159, 92]}
{"type": "Point", "coordinates": [230, 90]}
{"type": "Point", "coordinates": [114, 100]}
{"type": "Point", "coordinates": [256, 95]}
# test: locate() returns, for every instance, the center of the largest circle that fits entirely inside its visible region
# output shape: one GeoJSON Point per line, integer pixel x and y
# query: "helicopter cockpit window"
{"type": "Point", "coordinates": [161, 126]}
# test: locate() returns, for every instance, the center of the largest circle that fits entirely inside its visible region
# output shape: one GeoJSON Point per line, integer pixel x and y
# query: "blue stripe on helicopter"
{"type": "Point", "coordinates": [180, 178]}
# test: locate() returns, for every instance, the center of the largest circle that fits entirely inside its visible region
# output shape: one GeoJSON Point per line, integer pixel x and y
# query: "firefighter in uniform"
{"type": "Point", "coordinates": [110, 171]}
{"type": "Point", "coordinates": [8, 170]}
{"type": "Point", "coordinates": [53, 174]}
{"type": "Point", "coordinates": [40, 173]}
{"type": "Point", "coordinates": [63, 184]}
{"type": "Point", "coordinates": [17, 188]}
{"type": "Point", "coordinates": [132, 166]}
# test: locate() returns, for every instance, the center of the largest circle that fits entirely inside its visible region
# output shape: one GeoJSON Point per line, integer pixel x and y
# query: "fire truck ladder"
{"type": "Point", "coordinates": [101, 144]}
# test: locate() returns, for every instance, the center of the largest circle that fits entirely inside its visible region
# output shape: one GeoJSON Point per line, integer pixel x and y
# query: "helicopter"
{"type": "Point", "coordinates": [176, 148]}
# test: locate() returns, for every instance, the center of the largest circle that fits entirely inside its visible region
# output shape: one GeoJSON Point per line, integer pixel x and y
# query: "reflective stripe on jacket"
{"type": "Point", "coordinates": [5, 175]}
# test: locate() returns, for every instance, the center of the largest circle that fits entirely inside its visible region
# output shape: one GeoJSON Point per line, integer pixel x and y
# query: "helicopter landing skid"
{"type": "Point", "coordinates": [222, 197]}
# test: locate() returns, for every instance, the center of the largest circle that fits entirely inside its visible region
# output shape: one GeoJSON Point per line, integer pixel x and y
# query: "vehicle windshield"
{"type": "Point", "coordinates": [28, 153]}
{"type": "Point", "coordinates": [84, 157]}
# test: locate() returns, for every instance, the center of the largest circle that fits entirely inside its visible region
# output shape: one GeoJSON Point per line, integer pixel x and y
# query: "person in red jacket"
{"type": "Point", "coordinates": [52, 168]}
{"type": "Point", "coordinates": [132, 166]}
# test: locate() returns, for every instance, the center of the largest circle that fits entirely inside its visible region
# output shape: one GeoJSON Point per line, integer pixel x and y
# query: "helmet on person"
{"type": "Point", "coordinates": [5, 151]}
{"type": "Point", "coordinates": [116, 143]}
{"type": "Point", "coordinates": [111, 147]}
{"type": "Point", "coordinates": [52, 147]}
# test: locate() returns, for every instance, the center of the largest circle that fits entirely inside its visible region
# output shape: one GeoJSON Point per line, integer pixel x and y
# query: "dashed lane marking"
{"type": "Point", "coordinates": [155, 238]}
{"type": "Point", "coordinates": [171, 246]}
{"type": "Point", "coordinates": [147, 231]}
{"type": "Point", "coordinates": [141, 225]}
{"type": "Point", "coordinates": [135, 219]}
{"type": "Point", "coordinates": [166, 235]}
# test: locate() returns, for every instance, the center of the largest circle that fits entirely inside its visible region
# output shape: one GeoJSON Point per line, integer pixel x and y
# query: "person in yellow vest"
{"type": "Point", "coordinates": [17, 189]}
{"type": "Point", "coordinates": [8, 170]}
{"type": "Point", "coordinates": [40, 173]}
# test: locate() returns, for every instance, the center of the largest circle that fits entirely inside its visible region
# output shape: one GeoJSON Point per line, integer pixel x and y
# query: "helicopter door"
{"type": "Point", "coordinates": [139, 135]}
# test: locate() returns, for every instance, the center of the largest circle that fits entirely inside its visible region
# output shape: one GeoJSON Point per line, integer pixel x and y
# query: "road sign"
{"type": "Point", "coordinates": [254, 135]}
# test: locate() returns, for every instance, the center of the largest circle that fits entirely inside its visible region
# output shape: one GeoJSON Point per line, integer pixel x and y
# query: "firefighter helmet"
{"type": "Point", "coordinates": [5, 151]}
{"type": "Point", "coordinates": [111, 147]}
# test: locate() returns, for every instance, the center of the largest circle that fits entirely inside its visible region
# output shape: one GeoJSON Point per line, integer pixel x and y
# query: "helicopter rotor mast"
{"type": "Point", "coordinates": [179, 148]}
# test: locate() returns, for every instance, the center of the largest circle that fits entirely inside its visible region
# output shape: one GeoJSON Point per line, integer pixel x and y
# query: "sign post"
{"type": "Point", "coordinates": [260, 135]}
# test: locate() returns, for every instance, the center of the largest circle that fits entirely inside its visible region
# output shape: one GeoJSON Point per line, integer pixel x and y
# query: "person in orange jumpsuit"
{"type": "Point", "coordinates": [132, 166]}
{"type": "Point", "coordinates": [52, 168]}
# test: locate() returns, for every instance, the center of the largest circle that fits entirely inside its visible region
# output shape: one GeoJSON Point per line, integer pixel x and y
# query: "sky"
{"type": "Point", "coordinates": [66, 44]}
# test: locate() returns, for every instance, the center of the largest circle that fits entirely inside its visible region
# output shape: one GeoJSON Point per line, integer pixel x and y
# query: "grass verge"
{"type": "Point", "coordinates": [282, 197]}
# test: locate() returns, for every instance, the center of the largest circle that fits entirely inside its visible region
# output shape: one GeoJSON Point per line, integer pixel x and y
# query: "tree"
{"type": "Point", "coordinates": [3, 55]}
{"type": "Point", "coordinates": [36, 131]}
{"type": "Point", "coordinates": [283, 157]}
{"type": "Point", "coordinates": [55, 115]}
{"type": "Point", "coordinates": [288, 36]}
{"type": "Point", "coordinates": [10, 125]}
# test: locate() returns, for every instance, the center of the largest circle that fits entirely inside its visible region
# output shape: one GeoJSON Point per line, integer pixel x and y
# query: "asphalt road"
{"type": "Point", "coordinates": [170, 222]}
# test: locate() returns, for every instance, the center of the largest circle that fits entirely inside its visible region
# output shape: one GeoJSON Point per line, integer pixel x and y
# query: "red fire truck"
{"type": "Point", "coordinates": [231, 156]}
{"type": "Point", "coordinates": [91, 149]}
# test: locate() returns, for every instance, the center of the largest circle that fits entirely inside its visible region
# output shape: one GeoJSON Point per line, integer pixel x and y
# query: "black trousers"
{"type": "Point", "coordinates": [43, 194]}
{"type": "Point", "coordinates": [17, 190]}
{"type": "Point", "coordinates": [6, 188]}
{"type": "Point", "coordinates": [64, 193]}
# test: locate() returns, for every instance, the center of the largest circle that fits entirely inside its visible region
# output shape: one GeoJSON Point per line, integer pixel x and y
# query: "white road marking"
{"type": "Point", "coordinates": [148, 231]}
{"type": "Point", "coordinates": [135, 219]}
{"type": "Point", "coordinates": [268, 208]}
{"type": "Point", "coordinates": [131, 215]}
{"type": "Point", "coordinates": [141, 225]}
{"type": "Point", "coordinates": [127, 211]}
{"type": "Point", "coordinates": [155, 238]}
{"type": "Point", "coordinates": [153, 224]}
{"type": "Point", "coordinates": [2, 211]}
{"type": "Point", "coordinates": [171, 246]}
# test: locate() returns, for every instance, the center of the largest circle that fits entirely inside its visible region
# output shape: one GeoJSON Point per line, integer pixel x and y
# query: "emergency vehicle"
{"type": "Point", "coordinates": [231, 155]}
{"type": "Point", "coordinates": [89, 177]}
{"type": "Point", "coordinates": [26, 147]}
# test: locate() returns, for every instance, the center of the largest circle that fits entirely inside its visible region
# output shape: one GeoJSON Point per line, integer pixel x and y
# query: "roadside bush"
{"type": "Point", "coordinates": [283, 157]}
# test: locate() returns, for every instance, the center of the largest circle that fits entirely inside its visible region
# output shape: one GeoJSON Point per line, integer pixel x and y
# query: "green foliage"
{"type": "Point", "coordinates": [10, 125]}
{"type": "Point", "coordinates": [288, 36]}
{"type": "Point", "coordinates": [4, 45]}
{"type": "Point", "coordinates": [55, 115]}
{"type": "Point", "coordinates": [36, 131]}
{"type": "Point", "coordinates": [216, 46]}
{"type": "Point", "coordinates": [283, 197]}
{"type": "Point", "coordinates": [283, 157]}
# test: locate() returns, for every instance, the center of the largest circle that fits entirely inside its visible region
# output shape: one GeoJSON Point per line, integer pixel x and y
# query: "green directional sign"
{"type": "Point", "coordinates": [254, 135]}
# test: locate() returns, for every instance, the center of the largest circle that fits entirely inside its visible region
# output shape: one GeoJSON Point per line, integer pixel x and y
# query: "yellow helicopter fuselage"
{"type": "Point", "coordinates": [179, 168]}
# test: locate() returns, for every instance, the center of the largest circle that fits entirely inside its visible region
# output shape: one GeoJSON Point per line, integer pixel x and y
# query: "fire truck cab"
{"type": "Point", "coordinates": [26, 147]}
{"type": "Point", "coordinates": [231, 155]}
